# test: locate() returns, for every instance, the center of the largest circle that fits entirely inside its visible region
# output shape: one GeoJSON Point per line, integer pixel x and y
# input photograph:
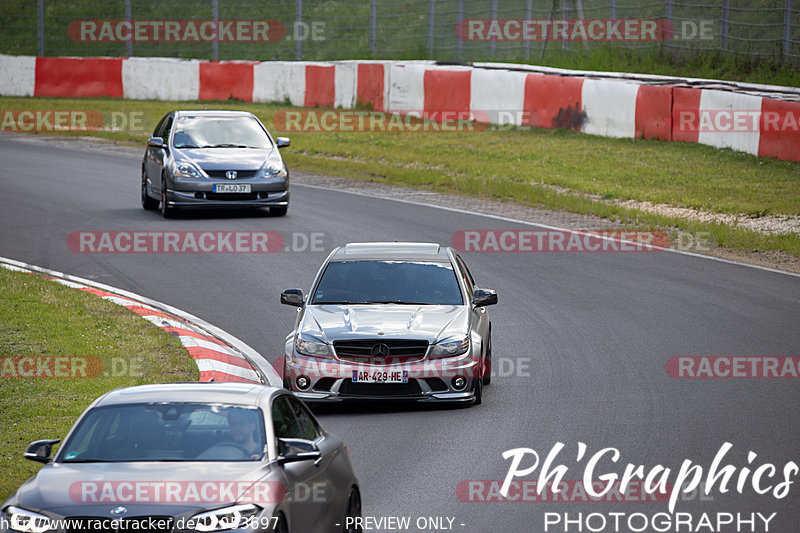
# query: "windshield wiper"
{"type": "Point", "coordinates": [402, 302]}
{"type": "Point", "coordinates": [229, 146]}
{"type": "Point", "coordinates": [335, 302]}
{"type": "Point", "coordinates": [86, 461]}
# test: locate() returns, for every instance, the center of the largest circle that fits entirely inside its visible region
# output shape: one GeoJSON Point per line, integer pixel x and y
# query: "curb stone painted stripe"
{"type": "Point", "coordinates": [219, 356]}
{"type": "Point", "coordinates": [552, 98]}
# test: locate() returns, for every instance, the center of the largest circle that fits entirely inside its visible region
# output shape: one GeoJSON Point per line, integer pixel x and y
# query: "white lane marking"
{"type": "Point", "coordinates": [545, 226]}
{"type": "Point", "coordinates": [16, 269]}
{"type": "Point", "coordinates": [69, 283]}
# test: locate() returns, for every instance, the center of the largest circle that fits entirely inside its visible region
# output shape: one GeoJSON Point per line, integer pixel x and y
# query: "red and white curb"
{"type": "Point", "coordinates": [219, 355]}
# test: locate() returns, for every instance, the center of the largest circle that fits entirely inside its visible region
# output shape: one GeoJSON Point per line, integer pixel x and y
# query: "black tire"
{"type": "Point", "coordinates": [147, 203]}
{"type": "Point", "coordinates": [487, 363]}
{"type": "Point", "coordinates": [478, 390]}
{"type": "Point", "coordinates": [278, 211]}
{"type": "Point", "coordinates": [280, 526]}
{"type": "Point", "coordinates": [353, 511]}
{"type": "Point", "coordinates": [166, 211]}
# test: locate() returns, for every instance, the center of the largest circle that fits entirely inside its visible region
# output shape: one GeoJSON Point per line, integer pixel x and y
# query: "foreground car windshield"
{"type": "Point", "coordinates": [167, 432]}
{"type": "Point", "coordinates": [219, 132]}
{"type": "Point", "coordinates": [403, 282]}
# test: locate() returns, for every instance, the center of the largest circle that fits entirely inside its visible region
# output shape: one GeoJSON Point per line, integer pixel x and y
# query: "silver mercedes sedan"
{"type": "Point", "coordinates": [190, 457]}
{"type": "Point", "coordinates": [214, 158]}
{"type": "Point", "coordinates": [390, 321]}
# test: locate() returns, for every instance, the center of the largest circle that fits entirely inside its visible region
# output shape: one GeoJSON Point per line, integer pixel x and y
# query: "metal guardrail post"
{"type": "Point", "coordinates": [492, 16]}
{"type": "Point", "coordinates": [431, 15]}
{"type": "Point", "coordinates": [373, 25]}
{"type": "Point", "coordinates": [215, 18]}
{"type": "Point", "coordinates": [787, 29]}
{"type": "Point", "coordinates": [129, 18]}
{"type": "Point", "coordinates": [528, 16]}
{"type": "Point", "coordinates": [298, 43]}
{"type": "Point", "coordinates": [544, 37]}
{"type": "Point", "coordinates": [40, 28]}
{"type": "Point", "coordinates": [612, 10]}
{"type": "Point", "coordinates": [459, 18]}
{"type": "Point", "coordinates": [723, 30]}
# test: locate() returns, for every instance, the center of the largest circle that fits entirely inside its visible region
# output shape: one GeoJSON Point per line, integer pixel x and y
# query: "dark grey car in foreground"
{"type": "Point", "coordinates": [390, 321]}
{"type": "Point", "coordinates": [219, 159]}
{"type": "Point", "coordinates": [190, 457]}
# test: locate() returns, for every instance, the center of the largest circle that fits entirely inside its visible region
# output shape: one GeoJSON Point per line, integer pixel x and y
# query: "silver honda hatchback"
{"type": "Point", "coordinates": [214, 159]}
{"type": "Point", "coordinates": [390, 321]}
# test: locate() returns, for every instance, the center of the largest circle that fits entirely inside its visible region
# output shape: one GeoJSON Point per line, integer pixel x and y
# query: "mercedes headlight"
{"type": "Point", "coordinates": [307, 345]}
{"type": "Point", "coordinates": [28, 521]}
{"type": "Point", "coordinates": [234, 517]}
{"type": "Point", "coordinates": [450, 347]}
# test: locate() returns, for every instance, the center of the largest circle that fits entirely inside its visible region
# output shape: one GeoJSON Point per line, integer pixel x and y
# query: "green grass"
{"type": "Point", "coordinates": [505, 165]}
{"type": "Point", "coordinates": [40, 318]}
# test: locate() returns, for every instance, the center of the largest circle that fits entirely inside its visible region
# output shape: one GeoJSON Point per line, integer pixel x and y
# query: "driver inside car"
{"type": "Point", "coordinates": [243, 427]}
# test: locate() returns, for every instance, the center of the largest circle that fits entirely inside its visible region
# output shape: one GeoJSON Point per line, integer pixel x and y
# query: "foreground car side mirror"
{"type": "Point", "coordinates": [292, 297]}
{"type": "Point", "coordinates": [482, 297]}
{"type": "Point", "coordinates": [40, 450]}
{"type": "Point", "coordinates": [294, 450]}
{"type": "Point", "coordinates": [282, 142]}
{"type": "Point", "coordinates": [155, 142]}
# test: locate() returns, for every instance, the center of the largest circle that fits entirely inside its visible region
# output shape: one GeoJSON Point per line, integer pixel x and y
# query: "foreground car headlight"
{"type": "Point", "coordinates": [186, 170]}
{"type": "Point", "coordinates": [234, 517]}
{"type": "Point", "coordinates": [450, 346]}
{"type": "Point", "coordinates": [272, 169]}
{"type": "Point", "coordinates": [311, 346]}
{"type": "Point", "coordinates": [28, 521]}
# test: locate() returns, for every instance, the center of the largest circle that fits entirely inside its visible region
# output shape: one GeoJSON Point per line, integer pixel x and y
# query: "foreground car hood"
{"type": "Point", "coordinates": [428, 322]}
{"type": "Point", "coordinates": [67, 489]}
{"type": "Point", "coordinates": [227, 158]}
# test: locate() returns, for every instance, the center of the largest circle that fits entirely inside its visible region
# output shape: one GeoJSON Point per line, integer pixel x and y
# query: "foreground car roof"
{"type": "Point", "coordinates": [408, 251]}
{"type": "Point", "coordinates": [236, 393]}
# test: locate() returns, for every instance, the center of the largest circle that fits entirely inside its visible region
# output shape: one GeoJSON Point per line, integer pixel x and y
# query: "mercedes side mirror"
{"type": "Point", "coordinates": [482, 297]}
{"type": "Point", "coordinates": [292, 297]}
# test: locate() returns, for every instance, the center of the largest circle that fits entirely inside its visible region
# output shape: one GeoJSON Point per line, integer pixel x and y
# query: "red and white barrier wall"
{"type": "Point", "coordinates": [608, 107]}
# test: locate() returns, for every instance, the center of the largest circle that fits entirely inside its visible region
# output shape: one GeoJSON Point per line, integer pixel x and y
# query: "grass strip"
{"type": "Point", "coordinates": [56, 327]}
{"type": "Point", "coordinates": [516, 164]}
